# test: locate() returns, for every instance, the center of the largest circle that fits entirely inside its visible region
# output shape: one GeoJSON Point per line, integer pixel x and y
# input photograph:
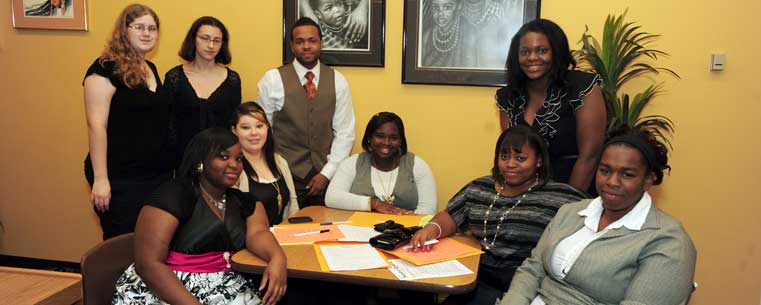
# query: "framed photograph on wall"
{"type": "Point", "coordinates": [49, 14]}
{"type": "Point", "coordinates": [353, 31]}
{"type": "Point", "coordinates": [461, 42]}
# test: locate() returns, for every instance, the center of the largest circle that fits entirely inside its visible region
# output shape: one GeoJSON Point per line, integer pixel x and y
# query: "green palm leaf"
{"type": "Point", "coordinates": [625, 54]}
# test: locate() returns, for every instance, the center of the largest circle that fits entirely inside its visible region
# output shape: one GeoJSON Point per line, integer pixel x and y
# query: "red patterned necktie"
{"type": "Point", "coordinates": [310, 88]}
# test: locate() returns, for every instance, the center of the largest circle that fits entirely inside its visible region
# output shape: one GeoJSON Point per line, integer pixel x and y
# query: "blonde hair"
{"type": "Point", "coordinates": [119, 50]}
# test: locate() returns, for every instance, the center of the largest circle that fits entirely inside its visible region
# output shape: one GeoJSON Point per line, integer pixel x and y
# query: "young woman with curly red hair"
{"type": "Point", "coordinates": [127, 120]}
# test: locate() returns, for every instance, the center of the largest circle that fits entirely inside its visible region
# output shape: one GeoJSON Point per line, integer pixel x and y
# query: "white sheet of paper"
{"type": "Point", "coordinates": [407, 271]}
{"type": "Point", "coordinates": [357, 233]}
{"type": "Point", "coordinates": [352, 257]}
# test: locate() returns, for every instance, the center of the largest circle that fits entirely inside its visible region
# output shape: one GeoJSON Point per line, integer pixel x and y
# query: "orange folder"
{"type": "Point", "coordinates": [368, 219]}
{"type": "Point", "coordinates": [446, 249]}
{"type": "Point", "coordinates": [284, 234]}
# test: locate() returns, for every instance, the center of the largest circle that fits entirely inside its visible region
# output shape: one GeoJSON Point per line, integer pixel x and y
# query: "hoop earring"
{"type": "Point", "coordinates": [199, 168]}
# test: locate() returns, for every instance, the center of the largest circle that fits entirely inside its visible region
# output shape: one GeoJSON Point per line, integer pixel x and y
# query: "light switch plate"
{"type": "Point", "coordinates": [718, 61]}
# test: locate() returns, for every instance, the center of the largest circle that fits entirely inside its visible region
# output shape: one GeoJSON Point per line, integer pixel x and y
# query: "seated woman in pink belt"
{"type": "Point", "coordinates": [191, 226]}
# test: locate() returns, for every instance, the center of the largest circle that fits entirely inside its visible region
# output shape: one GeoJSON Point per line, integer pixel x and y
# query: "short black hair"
{"type": "Point", "coordinates": [377, 121]}
{"type": "Point", "coordinates": [512, 139]}
{"type": "Point", "coordinates": [654, 152]}
{"type": "Point", "coordinates": [562, 58]}
{"type": "Point", "coordinates": [188, 49]}
{"type": "Point", "coordinates": [306, 21]}
{"type": "Point", "coordinates": [201, 148]}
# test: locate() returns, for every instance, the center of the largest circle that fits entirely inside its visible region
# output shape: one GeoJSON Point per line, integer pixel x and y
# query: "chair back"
{"type": "Point", "coordinates": [101, 267]}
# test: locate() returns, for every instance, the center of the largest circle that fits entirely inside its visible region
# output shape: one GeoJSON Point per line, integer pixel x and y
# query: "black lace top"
{"type": "Point", "coordinates": [556, 119]}
{"type": "Point", "coordinates": [191, 114]}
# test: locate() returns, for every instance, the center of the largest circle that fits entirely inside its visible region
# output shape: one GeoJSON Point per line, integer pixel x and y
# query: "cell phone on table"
{"type": "Point", "coordinates": [300, 219]}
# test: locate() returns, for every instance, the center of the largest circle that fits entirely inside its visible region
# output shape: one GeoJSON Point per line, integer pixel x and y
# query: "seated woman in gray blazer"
{"type": "Point", "coordinates": [617, 248]}
{"type": "Point", "coordinates": [386, 178]}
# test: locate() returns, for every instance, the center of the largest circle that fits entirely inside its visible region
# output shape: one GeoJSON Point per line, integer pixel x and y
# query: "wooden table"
{"type": "Point", "coordinates": [28, 286]}
{"type": "Point", "coordinates": [303, 264]}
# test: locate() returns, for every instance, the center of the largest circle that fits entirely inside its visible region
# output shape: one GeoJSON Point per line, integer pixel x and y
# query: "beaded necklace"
{"type": "Point", "coordinates": [488, 10]}
{"type": "Point", "coordinates": [489, 245]}
{"type": "Point", "coordinates": [442, 38]}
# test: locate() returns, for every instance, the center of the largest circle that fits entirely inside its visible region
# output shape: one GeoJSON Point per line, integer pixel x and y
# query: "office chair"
{"type": "Point", "coordinates": [101, 267]}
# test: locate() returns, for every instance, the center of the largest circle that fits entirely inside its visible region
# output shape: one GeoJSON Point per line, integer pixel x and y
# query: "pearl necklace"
{"type": "Point", "coordinates": [489, 245]}
{"type": "Point", "coordinates": [489, 11]}
{"type": "Point", "coordinates": [220, 204]}
{"type": "Point", "coordinates": [443, 37]}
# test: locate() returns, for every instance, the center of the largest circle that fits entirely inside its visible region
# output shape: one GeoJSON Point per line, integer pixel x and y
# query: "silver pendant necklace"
{"type": "Point", "coordinates": [220, 204]}
{"type": "Point", "coordinates": [489, 245]}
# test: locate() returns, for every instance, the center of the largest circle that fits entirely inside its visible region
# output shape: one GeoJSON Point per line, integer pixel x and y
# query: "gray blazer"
{"type": "Point", "coordinates": [652, 266]}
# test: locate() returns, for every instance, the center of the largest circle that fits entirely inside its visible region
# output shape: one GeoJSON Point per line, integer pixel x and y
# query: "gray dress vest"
{"type": "Point", "coordinates": [303, 128]}
{"type": "Point", "coordinates": [405, 189]}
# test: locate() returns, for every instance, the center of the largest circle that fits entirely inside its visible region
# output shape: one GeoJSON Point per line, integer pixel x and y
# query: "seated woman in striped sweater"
{"type": "Point", "coordinates": [507, 211]}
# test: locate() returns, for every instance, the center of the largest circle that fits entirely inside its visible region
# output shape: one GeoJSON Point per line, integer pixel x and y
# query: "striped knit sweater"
{"type": "Point", "coordinates": [521, 229]}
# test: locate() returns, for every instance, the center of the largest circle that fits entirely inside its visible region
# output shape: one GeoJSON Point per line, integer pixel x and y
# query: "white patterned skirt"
{"type": "Point", "coordinates": [215, 288]}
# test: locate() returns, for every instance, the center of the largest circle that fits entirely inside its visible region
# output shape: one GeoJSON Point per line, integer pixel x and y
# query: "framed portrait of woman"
{"type": "Point", "coordinates": [49, 14]}
{"type": "Point", "coordinates": [461, 42]}
{"type": "Point", "coordinates": [353, 31]}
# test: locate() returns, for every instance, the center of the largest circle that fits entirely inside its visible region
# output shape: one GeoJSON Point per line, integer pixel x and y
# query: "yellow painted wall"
{"type": "Point", "coordinates": [43, 196]}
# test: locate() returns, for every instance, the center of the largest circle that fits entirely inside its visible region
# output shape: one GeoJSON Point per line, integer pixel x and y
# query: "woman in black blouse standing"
{"type": "Point", "coordinates": [127, 122]}
{"type": "Point", "coordinates": [564, 105]}
{"type": "Point", "coordinates": [204, 91]}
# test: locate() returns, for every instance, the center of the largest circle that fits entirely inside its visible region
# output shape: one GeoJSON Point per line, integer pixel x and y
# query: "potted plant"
{"type": "Point", "coordinates": [626, 54]}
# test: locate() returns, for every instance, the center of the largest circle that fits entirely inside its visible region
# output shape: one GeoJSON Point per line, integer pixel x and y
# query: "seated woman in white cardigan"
{"type": "Point", "coordinates": [385, 178]}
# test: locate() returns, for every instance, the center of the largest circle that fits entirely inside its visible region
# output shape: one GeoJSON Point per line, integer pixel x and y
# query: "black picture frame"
{"type": "Point", "coordinates": [464, 64]}
{"type": "Point", "coordinates": [370, 49]}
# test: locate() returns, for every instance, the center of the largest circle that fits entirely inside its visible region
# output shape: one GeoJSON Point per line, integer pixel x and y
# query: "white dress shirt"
{"type": "Point", "coordinates": [272, 97]}
{"type": "Point", "coordinates": [339, 197]}
{"type": "Point", "coordinates": [569, 249]}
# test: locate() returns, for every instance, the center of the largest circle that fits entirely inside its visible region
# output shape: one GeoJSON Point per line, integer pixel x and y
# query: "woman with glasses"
{"type": "Point", "coordinates": [204, 91]}
{"type": "Point", "coordinates": [127, 122]}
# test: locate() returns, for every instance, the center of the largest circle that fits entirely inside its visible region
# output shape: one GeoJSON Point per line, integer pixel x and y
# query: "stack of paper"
{"type": "Point", "coordinates": [357, 234]}
{"type": "Point", "coordinates": [349, 257]}
{"type": "Point", "coordinates": [341, 247]}
{"type": "Point", "coordinates": [406, 271]}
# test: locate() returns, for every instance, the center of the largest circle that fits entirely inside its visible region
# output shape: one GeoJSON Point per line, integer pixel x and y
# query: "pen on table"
{"type": "Point", "coordinates": [325, 223]}
{"type": "Point", "coordinates": [428, 243]}
{"type": "Point", "coordinates": [312, 232]}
